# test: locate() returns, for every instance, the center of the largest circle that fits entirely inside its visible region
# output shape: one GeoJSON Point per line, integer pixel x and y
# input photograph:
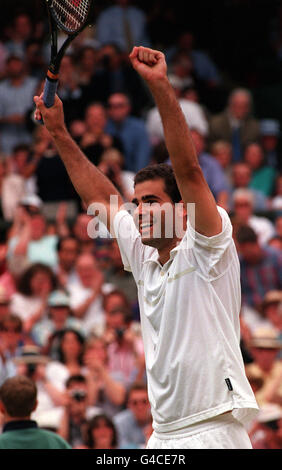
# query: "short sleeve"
{"type": "Point", "coordinates": [132, 250]}
{"type": "Point", "coordinates": [213, 254]}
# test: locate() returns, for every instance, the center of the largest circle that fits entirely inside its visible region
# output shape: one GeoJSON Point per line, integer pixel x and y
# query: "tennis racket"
{"type": "Point", "coordinates": [70, 16]}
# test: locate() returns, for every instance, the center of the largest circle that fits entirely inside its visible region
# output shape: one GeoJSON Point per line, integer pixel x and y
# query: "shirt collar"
{"type": "Point", "coordinates": [155, 256]}
{"type": "Point", "coordinates": [21, 424]}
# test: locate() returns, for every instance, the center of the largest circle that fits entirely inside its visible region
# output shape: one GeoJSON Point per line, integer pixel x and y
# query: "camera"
{"type": "Point", "coordinates": [78, 395]}
{"type": "Point", "coordinates": [31, 368]}
{"type": "Point", "coordinates": [120, 333]}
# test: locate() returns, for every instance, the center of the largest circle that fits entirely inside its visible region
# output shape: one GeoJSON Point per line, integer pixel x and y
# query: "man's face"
{"type": "Point", "coordinates": [240, 106]}
{"type": "Point", "coordinates": [250, 251]}
{"type": "Point", "coordinates": [38, 226]}
{"type": "Point", "coordinates": [119, 107]}
{"type": "Point", "coordinates": [139, 404]}
{"type": "Point", "coordinates": [68, 253]}
{"type": "Point", "coordinates": [241, 176]}
{"type": "Point", "coordinates": [15, 68]}
{"type": "Point", "coordinates": [153, 203]}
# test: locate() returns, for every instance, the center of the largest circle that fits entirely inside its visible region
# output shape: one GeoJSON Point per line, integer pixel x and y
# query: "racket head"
{"type": "Point", "coordinates": [71, 16]}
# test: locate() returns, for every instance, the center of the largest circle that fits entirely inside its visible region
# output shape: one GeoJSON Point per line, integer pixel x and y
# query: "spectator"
{"type": "Point", "coordinates": [266, 430]}
{"type": "Point", "coordinates": [67, 253]}
{"type": "Point", "coordinates": [222, 151]}
{"type": "Point", "coordinates": [125, 348]}
{"type": "Point", "coordinates": [59, 318]}
{"type": "Point", "coordinates": [263, 176]}
{"type": "Point", "coordinates": [70, 91]}
{"type": "Point", "coordinates": [73, 424]}
{"type": "Point", "coordinates": [13, 185]}
{"type": "Point", "coordinates": [130, 130]}
{"type": "Point", "coordinates": [86, 65]}
{"type": "Point", "coordinates": [205, 68]}
{"type": "Point", "coordinates": [241, 175]}
{"type": "Point", "coordinates": [5, 302]}
{"type": "Point", "coordinates": [132, 421]}
{"type": "Point", "coordinates": [16, 94]}
{"type": "Point", "coordinates": [236, 124]}
{"type": "Point", "coordinates": [32, 243]}
{"type": "Point", "coordinates": [18, 400]}
{"type": "Point", "coordinates": [86, 293]}
{"type": "Point", "coordinates": [278, 225]}
{"type": "Point", "coordinates": [11, 341]}
{"type": "Point", "coordinates": [112, 164]}
{"type": "Point", "coordinates": [243, 200]}
{"type": "Point", "coordinates": [194, 116]}
{"type": "Point", "coordinates": [90, 76]}
{"type": "Point", "coordinates": [47, 166]}
{"type": "Point", "coordinates": [276, 201]}
{"type": "Point", "coordinates": [270, 133]}
{"type": "Point", "coordinates": [115, 274]}
{"type": "Point", "coordinates": [265, 346]}
{"type": "Point", "coordinates": [212, 171]}
{"type": "Point", "coordinates": [255, 262]}
{"type": "Point", "coordinates": [272, 307]}
{"type": "Point", "coordinates": [67, 347]}
{"type": "Point", "coordinates": [276, 242]}
{"type": "Point", "coordinates": [29, 302]}
{"type": "Point", "coordinates": [20, 33]}
{"type": "Point", "coordinates": [95, 139]}
{"type": "Point", "coordinates": [80, 232]}
{"type": "Point", "coordinates": [101, 433]}
{"type": "Point", "coordinates": [123, 24]}
{"type": "Point", "coordinates": [182, 74]}
{"type": "Point", "coordinates": [106, 389]}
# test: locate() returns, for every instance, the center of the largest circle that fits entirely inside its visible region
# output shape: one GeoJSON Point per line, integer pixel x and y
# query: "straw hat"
{"type": "Point", "coordinates": [31, 355]}
{"type": "Point", "coordinates": [266, 338]}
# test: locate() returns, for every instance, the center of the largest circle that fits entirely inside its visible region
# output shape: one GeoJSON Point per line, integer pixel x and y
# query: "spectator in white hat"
{"type": "Point", "coordinates": [270, 133]}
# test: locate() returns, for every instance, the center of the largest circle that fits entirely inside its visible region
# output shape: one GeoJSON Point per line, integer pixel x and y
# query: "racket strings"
{"type": "Point", "coordinates": [71, 14]}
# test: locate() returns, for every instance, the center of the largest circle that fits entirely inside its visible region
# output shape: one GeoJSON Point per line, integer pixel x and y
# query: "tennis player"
{"type": "Point", "coordinates": [188, 286]}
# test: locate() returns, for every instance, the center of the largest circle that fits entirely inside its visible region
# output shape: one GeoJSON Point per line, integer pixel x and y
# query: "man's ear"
{"type": "Point", "coordinates": [2, 407]}
{"type": "Point", "coordinates": [35, 405]}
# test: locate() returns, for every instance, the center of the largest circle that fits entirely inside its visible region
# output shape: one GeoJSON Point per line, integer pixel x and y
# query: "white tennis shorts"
{"type": "Point", "coordinates": [221, 432]}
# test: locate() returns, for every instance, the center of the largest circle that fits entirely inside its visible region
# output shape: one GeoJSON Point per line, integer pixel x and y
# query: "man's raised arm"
{"type": "Point", "coordinates": [151, 65]}
{"type": "Point", "coordinates": [90, 183]}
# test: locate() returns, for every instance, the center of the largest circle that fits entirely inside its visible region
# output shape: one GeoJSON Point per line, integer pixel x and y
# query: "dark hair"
{"type": "Point", "coordinates": [18, 395]}
{"type": "Point", "coordinates": [79, 338]}
{"type": "Point", "coordinates": [15, 319]}
{"type": "Point", "coordinates": [246, 234]}
{"type": "Point", "coordinates": [136, 386]}
{"type": "Point", "coordinates": [61, 241]}
{"type": "Point", "coordinates": [121, 294]}
{"type": "Point", "coordinates": [160, 171]}
{"type": "Point", "coordinates": [24, 283]}
{"type": "Point", "coordinates": [77, 378]}
{"type": "Point", "coordinates": [94, 423]}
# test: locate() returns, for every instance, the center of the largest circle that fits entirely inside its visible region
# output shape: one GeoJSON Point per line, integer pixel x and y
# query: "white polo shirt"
{"type": "Point", "coordinates": [189, 311]}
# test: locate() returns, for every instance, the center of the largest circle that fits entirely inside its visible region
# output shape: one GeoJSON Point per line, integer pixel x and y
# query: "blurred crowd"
{"type": "Point", "coordinates": [69, 316]}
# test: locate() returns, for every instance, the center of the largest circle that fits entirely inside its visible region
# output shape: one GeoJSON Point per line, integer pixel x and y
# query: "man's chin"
{"type": "Point", "coordinates": [148, 241]}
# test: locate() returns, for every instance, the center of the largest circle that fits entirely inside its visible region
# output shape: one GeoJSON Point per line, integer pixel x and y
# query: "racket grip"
{"type": "Point", "coordinates": [50, 89]}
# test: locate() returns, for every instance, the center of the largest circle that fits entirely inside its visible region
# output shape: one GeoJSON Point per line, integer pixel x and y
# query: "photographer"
{"type": "Point", "coordinates": [73, 424]}
{"type": "Point", "coordinates": [106, 388]}
{"type": "Point", "coordinates": [51, 398]}
{"type": "Point", "coordinates": [125, 347]}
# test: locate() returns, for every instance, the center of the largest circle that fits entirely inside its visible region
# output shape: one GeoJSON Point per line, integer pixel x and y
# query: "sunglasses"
{"type": "Point", "coordinates": [5, 329]}
{"type": "Point", "coordinates": [142, 401]}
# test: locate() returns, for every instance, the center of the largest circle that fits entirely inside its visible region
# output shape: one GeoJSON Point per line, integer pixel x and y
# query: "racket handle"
{"type": "Point", "coordinates": [50, 89]}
